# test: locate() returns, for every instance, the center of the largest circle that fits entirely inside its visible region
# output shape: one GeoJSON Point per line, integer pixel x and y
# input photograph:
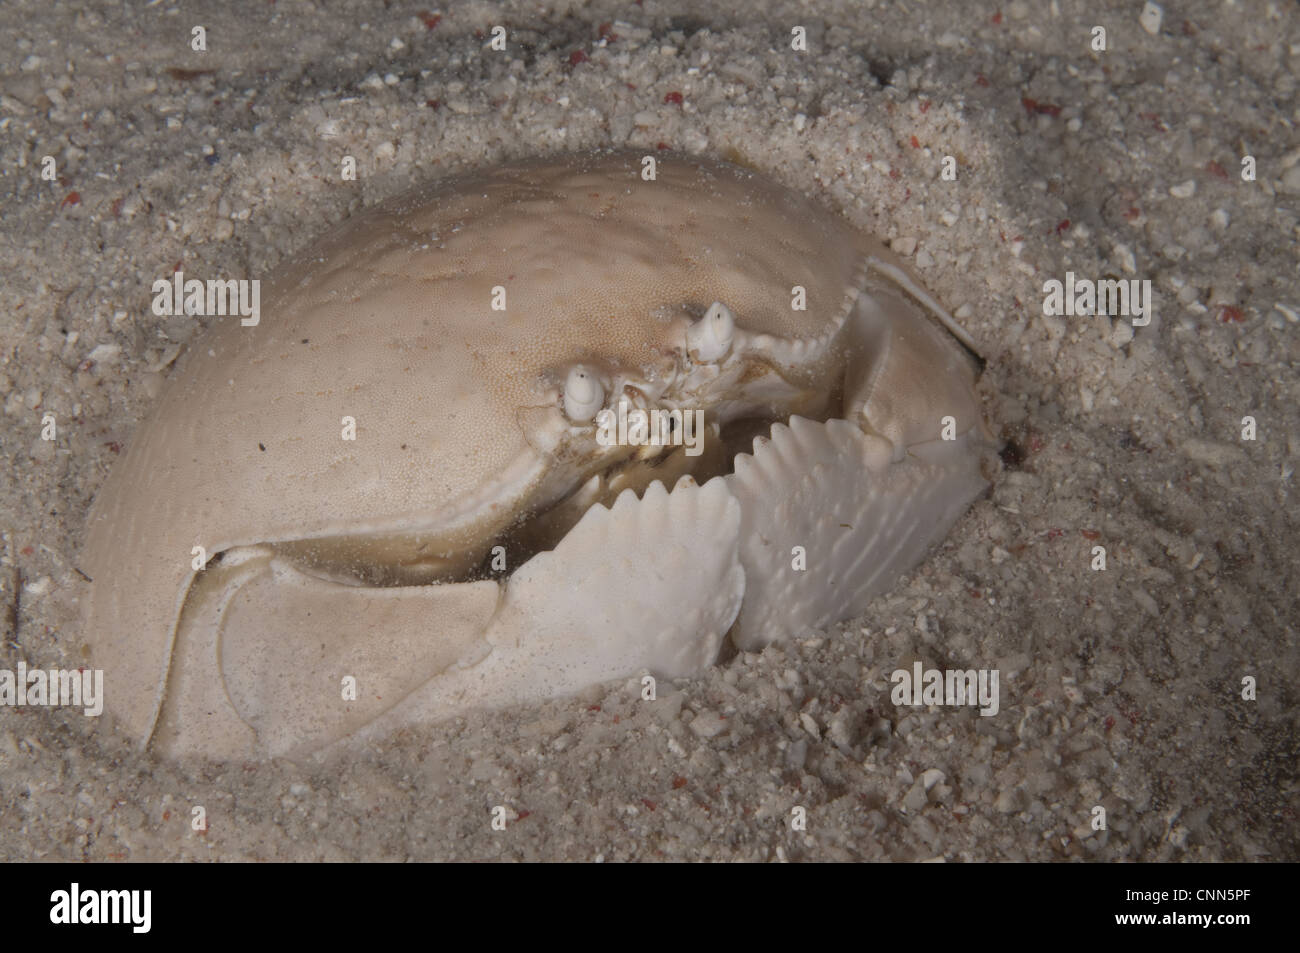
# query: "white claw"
{"type": "Point", "coordinates": [583, 395]}
{"type": "Point", "coordinates": [710, 337]}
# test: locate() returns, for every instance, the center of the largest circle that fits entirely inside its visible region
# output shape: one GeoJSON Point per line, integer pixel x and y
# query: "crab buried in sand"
{"type": "Point", "coordinates": [470, 542]}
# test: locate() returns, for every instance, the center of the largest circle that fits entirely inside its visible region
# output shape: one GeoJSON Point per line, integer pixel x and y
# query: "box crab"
{"type": "Point", "coordinates": [489, 530]}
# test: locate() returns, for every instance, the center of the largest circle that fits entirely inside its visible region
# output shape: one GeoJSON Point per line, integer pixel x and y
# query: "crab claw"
{"type": "Point", "coordinates": [651, 584]}
{"type": "Point", "coordinates": [709, 338]}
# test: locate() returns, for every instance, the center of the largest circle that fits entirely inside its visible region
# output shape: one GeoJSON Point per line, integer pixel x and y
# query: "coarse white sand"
{"type": "Point", "coordinates": [1121, 688]}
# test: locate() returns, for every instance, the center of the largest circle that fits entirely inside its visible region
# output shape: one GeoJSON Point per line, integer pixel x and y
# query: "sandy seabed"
{"type": "Point", "coordinates": [1121, 688]}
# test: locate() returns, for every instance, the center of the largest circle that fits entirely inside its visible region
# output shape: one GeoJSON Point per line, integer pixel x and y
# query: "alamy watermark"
{"type": "Point", "coordinates": [654, 428]}
{"type": "Point", "coordinates": [78, 688]}
{"type": "Point", "coordinates": [954, 686]}
{"type": "Point", "coordinates": [1116, 297]}
{"type": "Point", "coordinates": [216, 296]}
{"type": "Point", "coordinates": [102, 906]}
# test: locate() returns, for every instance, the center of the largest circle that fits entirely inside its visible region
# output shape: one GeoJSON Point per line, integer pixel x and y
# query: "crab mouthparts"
{"type": "Point", "coordinates": [618, 446]}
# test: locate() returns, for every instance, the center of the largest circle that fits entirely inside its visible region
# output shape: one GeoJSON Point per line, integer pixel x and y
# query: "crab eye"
{"type": "Point", "coordinates": [583, 395]}
{"type": "Point", "coordinates": [710, 337]}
